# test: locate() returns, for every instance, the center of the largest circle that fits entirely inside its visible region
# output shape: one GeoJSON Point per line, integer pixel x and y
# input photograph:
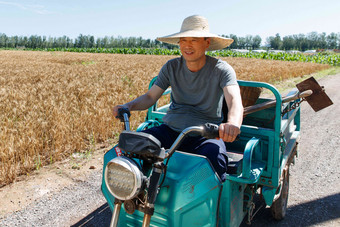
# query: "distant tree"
{"type": "Point", "coordinates": [104, 42]}
{"type": "Point", "coordinates": [288, 43]}
{"type": "Point", "coordinates": [256, 42]}
{"type": "Point", "coordinates": [234, 45]}
{"type": "Point", "coordinates": [332, 40]}
{"type": "Point", "coordinates": [322, 42]}
{"type": "Point", "coordinates": [79, 42]}
{"type": "Point", "coordinates": [91, 41]}
{"type": "Point", "coordinates": [157, 44]}
{"type": "Point", "coordinates": [3, 40]}
{"type": "Point", "coordinates": [248, 41]}
{"type": "Point", "coordinates": [148, 43]}
{"type": "Point", "coordinates": [312, 40]}
{"type": "Point", "coordinates": [275, 42]}
{"type": "Point", "coordinates": [241, 42]}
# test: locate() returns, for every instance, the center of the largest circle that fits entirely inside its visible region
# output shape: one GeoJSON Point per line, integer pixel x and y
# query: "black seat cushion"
{"type": "Point", "coordinates": [235, 160]}
{"type": "Point", "coordinates": [139, 143]}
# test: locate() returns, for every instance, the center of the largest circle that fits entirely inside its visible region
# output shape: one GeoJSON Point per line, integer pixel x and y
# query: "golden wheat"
{"type": "Point", "coordinates": [55, 103]}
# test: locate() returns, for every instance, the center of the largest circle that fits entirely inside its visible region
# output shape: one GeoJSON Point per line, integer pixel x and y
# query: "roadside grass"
{"type": "Point", "coordinates": [286, 85]}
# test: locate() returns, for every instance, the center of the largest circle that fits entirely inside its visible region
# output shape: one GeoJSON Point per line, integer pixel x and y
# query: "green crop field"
{"type": "Point", "coordinates": [332, 59]}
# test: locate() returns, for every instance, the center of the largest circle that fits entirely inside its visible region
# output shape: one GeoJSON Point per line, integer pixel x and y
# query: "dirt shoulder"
{"type": "Point", "coordinates": [49, 180]}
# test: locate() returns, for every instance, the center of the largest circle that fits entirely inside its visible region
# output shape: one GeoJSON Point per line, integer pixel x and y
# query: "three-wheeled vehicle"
{"type": "Point", "coordinates": [146, 185]}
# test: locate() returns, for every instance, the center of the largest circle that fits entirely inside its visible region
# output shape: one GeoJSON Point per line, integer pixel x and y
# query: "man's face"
{"type": "Point", "coordinates": [193, 49]}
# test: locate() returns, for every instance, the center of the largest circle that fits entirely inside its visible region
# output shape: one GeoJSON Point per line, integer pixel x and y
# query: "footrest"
{"type": "Point", "coordinates": [251, 169]}
{"type": "Point", "coordinates": [254, 174]}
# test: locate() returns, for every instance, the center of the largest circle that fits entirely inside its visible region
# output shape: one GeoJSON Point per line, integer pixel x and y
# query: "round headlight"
{"type": "Point", "coordinates": [123, 178]}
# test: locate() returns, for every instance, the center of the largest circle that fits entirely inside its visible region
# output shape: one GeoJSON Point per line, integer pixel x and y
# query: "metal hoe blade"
{"type": "Point", "coordinates": [319, 99]}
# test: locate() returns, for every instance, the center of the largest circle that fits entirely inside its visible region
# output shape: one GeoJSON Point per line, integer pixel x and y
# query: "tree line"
{"type": "Point", "coordinates": [312, 40]}
{"type": "Point", "coordinates": [249, 42]}
{"type": "Point", "coordinates": [300, 42]}
{"type": "Point", "coordinates": [82, 41]}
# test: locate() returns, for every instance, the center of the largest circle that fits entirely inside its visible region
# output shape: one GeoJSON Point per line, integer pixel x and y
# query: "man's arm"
{"type": "Point", "coordinates": [228, 131]}
{"type": "Point", "coordinates": [142, 102]}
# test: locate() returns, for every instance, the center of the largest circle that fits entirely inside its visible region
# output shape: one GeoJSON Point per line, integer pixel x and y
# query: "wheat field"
{"type": "Point", "coordinates": [55, 103]}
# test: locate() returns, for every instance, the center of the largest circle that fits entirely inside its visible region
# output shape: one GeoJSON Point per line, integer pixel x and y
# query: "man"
{"type": "Point", "coordinates": [198, 83]}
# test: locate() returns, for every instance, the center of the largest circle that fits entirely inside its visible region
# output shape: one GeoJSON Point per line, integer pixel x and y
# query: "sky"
{"type": "Point", "coordinates": [156, 18]}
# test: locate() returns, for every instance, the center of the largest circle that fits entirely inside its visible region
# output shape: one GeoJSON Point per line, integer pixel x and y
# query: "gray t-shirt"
{"type": "Point", "coordinates": [197, 97]}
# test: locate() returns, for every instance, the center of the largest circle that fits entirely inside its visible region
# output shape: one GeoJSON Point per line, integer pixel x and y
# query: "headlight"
{"type": "Point", "coordinates": [123, 178]}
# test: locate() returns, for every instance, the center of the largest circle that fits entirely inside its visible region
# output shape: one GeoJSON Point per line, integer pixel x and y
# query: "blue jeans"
{"type": "Point", "coordinates": [193, 144]}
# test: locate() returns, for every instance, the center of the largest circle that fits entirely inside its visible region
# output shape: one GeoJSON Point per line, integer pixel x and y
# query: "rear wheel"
{"type": "Point", "coordinates": [279, 206]}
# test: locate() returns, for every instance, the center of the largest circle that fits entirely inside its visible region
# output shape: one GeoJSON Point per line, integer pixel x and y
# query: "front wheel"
{"type": "Point", "coordinates": [279, 206]}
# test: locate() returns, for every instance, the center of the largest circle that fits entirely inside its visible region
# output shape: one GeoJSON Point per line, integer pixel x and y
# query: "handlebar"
{"type": "Point", "coordinates": [121, 112]}
{"type": "Point", "coordinates": [124, 115]}
{"type": "Point", "coordinates": [208, 130]}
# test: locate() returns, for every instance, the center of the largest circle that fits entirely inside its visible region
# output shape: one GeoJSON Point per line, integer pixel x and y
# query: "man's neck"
{"type": "Point", "coordinates": [195, 66]}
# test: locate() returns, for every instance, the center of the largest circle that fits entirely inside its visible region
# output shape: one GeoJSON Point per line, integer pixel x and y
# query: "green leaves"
{"type": "Point", "coordinates": [321, 58]}
{"type": "Point", "coordinates": [331, 59]}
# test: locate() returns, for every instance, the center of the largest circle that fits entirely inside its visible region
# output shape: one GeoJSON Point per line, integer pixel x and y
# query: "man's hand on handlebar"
{"type": "Point", "coordinates": [228, 132]}
{"type": "Point", "coordinates": [116, 108]}
{"type": "Point", "coordinates": [122, 112]}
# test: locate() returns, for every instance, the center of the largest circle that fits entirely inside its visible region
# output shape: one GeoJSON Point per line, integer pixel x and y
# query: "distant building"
{"type": "Point", "coordinates": [240, 50]}
{"type": "Point", "coordinates": [258, 51]}
{"type": "Point", "coordinates": [293, 51]}
{"type": "Point", "coordinates": [276, 51]}
{"type": "Point", "coordinates": [310, 51]}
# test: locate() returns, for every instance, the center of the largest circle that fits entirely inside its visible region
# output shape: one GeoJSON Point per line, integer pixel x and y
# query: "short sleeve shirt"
{"type": "Point", "coordinates": [196, 97]}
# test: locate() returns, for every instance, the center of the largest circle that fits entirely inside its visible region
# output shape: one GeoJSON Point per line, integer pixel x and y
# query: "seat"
{"type": "Point", "coordinates": [139, 143]}
{"type": "Point", "coordinates": [235, 160]}
{"type": "Point", "coordinates": [249, 97]}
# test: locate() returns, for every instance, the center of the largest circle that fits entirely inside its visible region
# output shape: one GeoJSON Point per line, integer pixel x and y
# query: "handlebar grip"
{"type": "Point", "coordinates": [210, 131]}
{"type": "Point", "coordinates": [121, 113]}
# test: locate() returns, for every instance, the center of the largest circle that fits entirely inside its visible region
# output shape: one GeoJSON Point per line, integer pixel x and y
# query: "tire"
{"type": "Point", "coordinates": [279, 206]}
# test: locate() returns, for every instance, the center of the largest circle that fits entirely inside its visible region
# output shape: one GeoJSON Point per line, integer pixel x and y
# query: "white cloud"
{"type": "Point", "coordinates": [39, 9]}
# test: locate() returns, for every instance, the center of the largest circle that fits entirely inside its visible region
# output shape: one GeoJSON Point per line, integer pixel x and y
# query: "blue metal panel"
{"type": "Point", "coordinates": [188, 197]}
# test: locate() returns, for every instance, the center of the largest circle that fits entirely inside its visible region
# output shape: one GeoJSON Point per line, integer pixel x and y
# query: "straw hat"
{"type": "Point", "coordinates": [197, 26]}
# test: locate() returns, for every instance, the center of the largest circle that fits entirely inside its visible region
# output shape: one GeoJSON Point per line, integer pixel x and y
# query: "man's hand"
{"type": "Point", "coordinates": [228, 132]}
{"type": "Point", "coordinates": [116, 108]}
{"type": "Point", "coordinates": [142, 102]}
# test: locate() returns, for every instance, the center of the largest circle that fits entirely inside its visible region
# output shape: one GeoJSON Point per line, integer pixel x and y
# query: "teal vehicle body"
{"type": "Point", "coordinates": [192, 193]}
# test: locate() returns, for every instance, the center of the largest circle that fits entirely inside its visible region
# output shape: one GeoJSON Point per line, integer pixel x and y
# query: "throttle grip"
{"type": "Point", "coordinates": [210, 131]}
{"type": "Point", "coordinates": [121, 113]}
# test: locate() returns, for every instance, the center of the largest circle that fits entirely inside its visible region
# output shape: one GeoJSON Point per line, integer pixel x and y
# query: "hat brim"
{"type": "Point", "coordinates": [216, 43]}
